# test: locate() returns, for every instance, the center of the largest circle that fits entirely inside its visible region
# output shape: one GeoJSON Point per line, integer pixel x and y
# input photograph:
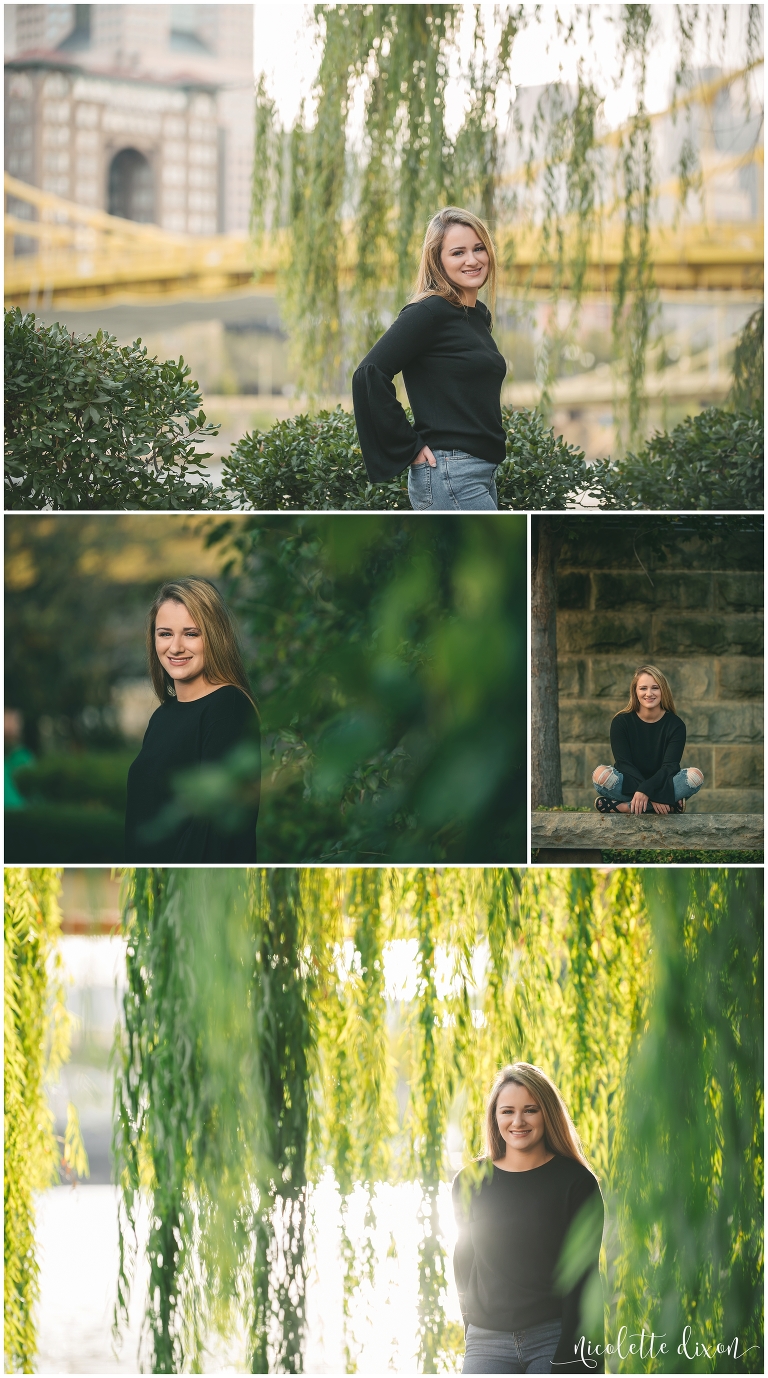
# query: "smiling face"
{"type": "Point", "coordinates": [648, 692]}
{"type": "Point", "coordinates": [179, 644]}
{"type": "Point", "coordinates": [464, 259]}
{"type": "Point", "coordinates": [520, 1120]}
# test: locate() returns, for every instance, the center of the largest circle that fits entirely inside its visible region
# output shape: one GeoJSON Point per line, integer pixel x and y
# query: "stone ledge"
{"type": "Point", "coordinates": [699, 831]}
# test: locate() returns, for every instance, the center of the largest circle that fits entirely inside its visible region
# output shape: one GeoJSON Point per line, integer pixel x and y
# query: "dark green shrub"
{"type": "Point", "coordinates": [710, 461]}
{"type": "Point", "coordinates": [542, 472]}
{"type": "Point", "coordinates": [314, 463]}
{"type": "Point", "coordinates": [90, 778]}
{"type": "Point", "coordinates": [90, 424]}
{"type": "Point", "coordinates": [308, 463]}
{"type": "Point", "coordinates": [62, 836]}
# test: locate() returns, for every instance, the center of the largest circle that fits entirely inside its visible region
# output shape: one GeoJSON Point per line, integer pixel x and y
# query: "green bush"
{"type": "Point", "coordinates": [52, 835]}
{"type": "Point", "coordinates": [541, 472]}
{"type": "Point", "coordinates": [308, 463]}
{"type": "Point", "coordinates": [314, 463]}
{"type": "Point", "coordinates": [90, 424]}
{"type": "Point", "coordinates": [89, 778]}
{"type": "Point", "coordinates": [710, 461]}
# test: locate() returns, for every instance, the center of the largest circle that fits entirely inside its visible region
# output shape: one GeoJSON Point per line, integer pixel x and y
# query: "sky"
{"type": "Point", "coordinates": [286, 51]}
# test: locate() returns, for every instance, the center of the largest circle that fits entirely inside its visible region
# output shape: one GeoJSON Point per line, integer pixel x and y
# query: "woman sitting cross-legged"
{"type": "Point", "coordinates": [647, 741]}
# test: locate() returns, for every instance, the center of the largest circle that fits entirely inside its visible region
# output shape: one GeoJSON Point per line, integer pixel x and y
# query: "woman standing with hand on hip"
{"type": "Point", "coordinates": [521, 1292]}
{"type": "Point", "coordinates": [442, 344]}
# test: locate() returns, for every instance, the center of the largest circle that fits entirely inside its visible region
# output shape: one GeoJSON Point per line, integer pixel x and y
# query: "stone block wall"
{"type": "Point", "coordinates": [694, 608]}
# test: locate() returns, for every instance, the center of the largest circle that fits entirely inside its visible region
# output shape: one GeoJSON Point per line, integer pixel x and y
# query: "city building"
{"type": "Point", "coordinates": [143, 111]}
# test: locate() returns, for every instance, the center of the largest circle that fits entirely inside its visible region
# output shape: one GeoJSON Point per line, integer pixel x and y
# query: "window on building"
{"type": "Point", "coordinates": [131, 186]}
{"type": "Point", "coordinates": [80, 35]}
{"type": "Point", "coordinates": [185, 26]}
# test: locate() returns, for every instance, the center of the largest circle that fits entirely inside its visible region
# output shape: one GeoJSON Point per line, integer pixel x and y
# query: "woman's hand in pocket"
{"type": "Point", "coordinates": [424, 456]}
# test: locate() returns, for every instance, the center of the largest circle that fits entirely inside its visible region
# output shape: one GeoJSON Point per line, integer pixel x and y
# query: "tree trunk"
{"type": "Point", "coordinates": [546, 781]}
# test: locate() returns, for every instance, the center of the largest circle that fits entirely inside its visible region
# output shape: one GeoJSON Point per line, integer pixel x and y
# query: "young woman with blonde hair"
{"type": "Point", "coordinates": [442, 344]}
{"type": "Point", "coordinates": [519, 1316]}
{"type": "Point", "coordinates": [206, 712]}
{"type": "Point", "coordinates": [647, 741]}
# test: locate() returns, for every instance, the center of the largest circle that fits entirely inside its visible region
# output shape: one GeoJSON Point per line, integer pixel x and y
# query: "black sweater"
{"type": "Point", "coordinates": [179, 737]}
{"type": "Point", "coordinates": [511, 1233]}
{"type": "Point", "coordinates": [648, 754]}
{"type": "Point", "coordinates": [453, 374]}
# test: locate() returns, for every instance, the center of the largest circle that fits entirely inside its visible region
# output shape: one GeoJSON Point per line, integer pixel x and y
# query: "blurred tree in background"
{"type": "Point", "coordinates": [72, 630]}
{"type": "Point", "coordinates": [35, 1044]}
{"type": "Point", "coordinates": [262, 1047]}
{"type": "Point", "coordinates": [748, 390]}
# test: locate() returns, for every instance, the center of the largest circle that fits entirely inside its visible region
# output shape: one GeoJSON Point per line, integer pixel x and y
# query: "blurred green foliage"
{"type": "Point", "coordinates": [75, 809]}
{"type": "Point", "coordinates": [72, 630]}
{"type": "Point", "coordinates": [690, 1165]}
{"type": "Point", "coordinates": [91, 778]}
{"type": "Point", "coordinates": [388, 660]}
{"type": "Point", "coordinates": [92, 424]}
{"type": "Point", "coordinates": [72, 833]}
{"type": "Point", "coordinates": [189, 1122]}
{"type": "Point", "coordinates": [748, 389]}
{"type": "Point", "coordinates": [36, 1044]}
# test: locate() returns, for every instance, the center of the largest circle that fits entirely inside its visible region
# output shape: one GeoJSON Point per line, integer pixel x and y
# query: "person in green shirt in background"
{"type": "Point", "coordinates": [16, 755]}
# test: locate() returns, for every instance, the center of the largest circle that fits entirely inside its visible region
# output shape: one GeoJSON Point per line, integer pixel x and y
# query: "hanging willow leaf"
{"type": "Point", "coordinates": [36, 1043]}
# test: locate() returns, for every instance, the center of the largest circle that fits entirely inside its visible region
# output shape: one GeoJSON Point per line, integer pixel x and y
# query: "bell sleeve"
{"type": "Point", "coordinates": [388, 441]}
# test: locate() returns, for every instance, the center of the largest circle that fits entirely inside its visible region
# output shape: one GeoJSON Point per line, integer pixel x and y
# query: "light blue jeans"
{"type": "Point", "coordinates": [512, 1351]}
{"type": "Point", "coordinates": [685, 782]}
{"type": "Point", "coordinates": [459, 483]}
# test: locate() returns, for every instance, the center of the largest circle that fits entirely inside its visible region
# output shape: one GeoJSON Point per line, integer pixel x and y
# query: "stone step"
{"type": "Point", "coordinates": [684, 831]}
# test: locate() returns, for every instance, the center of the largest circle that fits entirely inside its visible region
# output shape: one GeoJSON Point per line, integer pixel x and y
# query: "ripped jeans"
{"type": "Point", "coordinates": [687, 782]}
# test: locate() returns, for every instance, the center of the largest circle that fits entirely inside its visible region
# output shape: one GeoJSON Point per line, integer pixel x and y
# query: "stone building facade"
{"type": "Point", "coordinates": [144, 111]}
{"type": "Point", "coordinates": [696, 611]}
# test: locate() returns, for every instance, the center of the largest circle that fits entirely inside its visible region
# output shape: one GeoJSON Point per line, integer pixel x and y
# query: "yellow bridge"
{"type": "Point", "coordinates": [59, 252]}
{"type": "Point", "coordinates": [74, 255]}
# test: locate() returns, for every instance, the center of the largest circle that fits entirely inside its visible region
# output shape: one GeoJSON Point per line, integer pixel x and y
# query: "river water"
{"type": "Point", "coordinates": [78, 1249]}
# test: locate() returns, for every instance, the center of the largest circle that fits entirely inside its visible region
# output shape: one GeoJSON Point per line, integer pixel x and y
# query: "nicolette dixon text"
{"type": "Point", "coordinates": [648, 1345]}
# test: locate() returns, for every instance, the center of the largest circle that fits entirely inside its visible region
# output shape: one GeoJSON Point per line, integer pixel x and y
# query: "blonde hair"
{"type": "Point", "coordinates": [431, 280]}
{"type": "Point", "coordinates": [222, 660]}
{"type": "Point", "coordinates": [667, 701]}
{"type": "Point", "coordinates": [559, 1131]}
